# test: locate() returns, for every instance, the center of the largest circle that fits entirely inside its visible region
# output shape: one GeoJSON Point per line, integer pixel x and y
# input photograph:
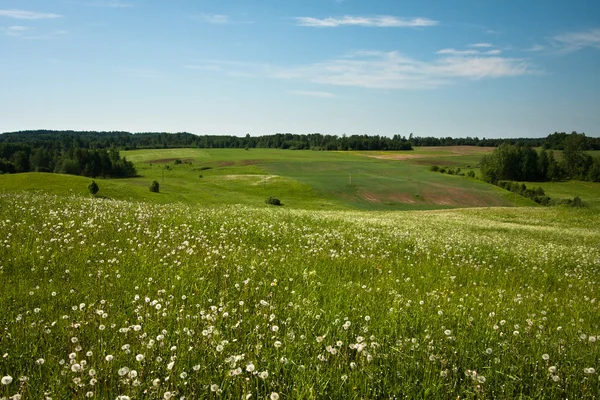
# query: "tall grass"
{"type": "Point", "coordinates": [111, 299]}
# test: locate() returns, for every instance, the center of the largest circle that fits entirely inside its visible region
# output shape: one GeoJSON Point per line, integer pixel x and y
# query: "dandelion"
{"type": "Point", "coordinates": [274, 396]}
{"type": "Point", "coordinates": [139, 357]}
{"type": "Point", "coordinates": [264, 375]}
{"type": "Point", "coordinates": [214, 387]}
{"type": "Point", "coordinates": [489, 350]}
{"type": "Point", "coordinates": [89, 394]}
{"type": "Point", "coordinates": [274, 328]}
{"type": "Point", "coordinates": [367, 318]}
{"type": "Point", "coordinates": [167, 395]}
{"type": "Point", "coordinates": [40, 361]}
{"type": "Point", "coordinates": [545, 357]}
{"type": "Point", "coordinates": [250, 367]}
{"type": "Point", "coordinates": [196, 367]}
{"type": "Point", "coordinates": [109, 357]}
{"type": "Point", "coordinates": [277, 344]}
{"type": "Point", "coordinates": [183, 375]}
{"type": "Point", "coordinates": [170, 365]}
{"type": "Point", "coordinates": [6, 380]}
{"type": "Point", "coordinates": [589, 370]}
{"type": "Point", "coordinates": [123, 371]}
{"type": "Point", "coordinates": [447, 332]}
{"type": "Point", "coordinates": [552, 369]}
{"type": "Point", "coordinates": [76, 368]}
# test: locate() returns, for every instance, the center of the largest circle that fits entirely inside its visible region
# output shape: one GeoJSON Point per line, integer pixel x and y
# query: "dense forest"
{"type": "Point", "coordinates": [523, 163]}
{"type": "Point", "coordinates": [92, 153]}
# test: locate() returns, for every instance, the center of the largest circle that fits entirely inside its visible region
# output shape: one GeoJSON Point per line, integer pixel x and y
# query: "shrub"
{"type": "Point", "coordinates": [155, 187]}
{"type": "Point", "coordinates": [177, 162]}
{"type": "Point", "coordinates": [274, 201]}
{"type": "Point", "coordinates": [434, 168]}
{"type": "Point", "coordinates": [93, 188]}
{"type": "Point", "coordinates": [471, 174]}
{"type": "Point", "coordinates": [577, 202]}
{"type": "Point", "coordinates": [539, 191]}
{"type": "Point", "coordinates": [443, 170]}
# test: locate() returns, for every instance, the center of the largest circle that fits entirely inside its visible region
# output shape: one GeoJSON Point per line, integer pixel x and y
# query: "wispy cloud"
{"type": "Point", "coordinates": [391, 70]}
{"type": "Point", "coordinates": [457, 52]}
{"type": "Point", "coordinates": [312, 93]}
{"type": "Point", "coordinates": [577, 40]}
{"type": "Point", "coordinates": [468, 52]}
{"type": "Point", "coordinates": [214, 18]}
{"type": "Point", "coordinates": [22, 14]}
{"type": "Point", "coordinates": [16, 30]}
{"type": "Point", "coordinates": [384, 21]}
{"type": "Point", "coordinates": [481, 45]}
{"type": "Point", "coordinates": [536, 47]}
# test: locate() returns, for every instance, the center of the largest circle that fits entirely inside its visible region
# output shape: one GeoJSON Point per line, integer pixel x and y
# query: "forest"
{"type": "Point", "coordinates": [92, 153]}
{"type": "Point", "coordinates": [524, 163]}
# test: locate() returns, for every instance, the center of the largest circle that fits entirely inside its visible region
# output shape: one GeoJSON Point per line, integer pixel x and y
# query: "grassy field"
{"type": "Point", "coordinates": [204, 291]}
{"type": "Point", "coordinates": [301, 179]}
{"type": "Point", "coordinates": [103, 298]}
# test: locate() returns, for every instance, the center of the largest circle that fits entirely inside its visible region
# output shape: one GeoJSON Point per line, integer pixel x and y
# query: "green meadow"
{"type": "Point", "coordinates": [300, 179]}
{"type": "Point", "coordinates": [377, 279]}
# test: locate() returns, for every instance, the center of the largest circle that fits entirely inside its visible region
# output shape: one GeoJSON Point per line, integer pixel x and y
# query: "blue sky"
{"type": "Point", "coordinates": [481, 68]}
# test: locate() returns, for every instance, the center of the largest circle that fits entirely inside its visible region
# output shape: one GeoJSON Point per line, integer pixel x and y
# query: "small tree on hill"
{"type": "Point", "coordinates": [93, 188]}
{"type": "Point", "coordinates": [155, 187]}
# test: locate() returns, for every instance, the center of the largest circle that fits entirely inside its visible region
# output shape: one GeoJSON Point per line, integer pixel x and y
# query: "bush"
{"type": "Point", "coordinates": [155, 187]}
{"type": "Point", "coordinates": [577, 202]}
{"type": "Point", "coordinates": [177, 162]}
{"type": "Point", "coordinates": [434, 168]}
{"type": "Point", "coordinates": [471, 174]}
{"type": "Point", "coordinates": [93, 188]}
{"type": "Point", "coordinates": [442, 170]}
{"type": "Point", "coordinates": [274, 201]}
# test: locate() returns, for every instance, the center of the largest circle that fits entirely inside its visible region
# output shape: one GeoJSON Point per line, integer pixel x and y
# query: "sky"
{"type": "Point", "coordinates": [479, 68]}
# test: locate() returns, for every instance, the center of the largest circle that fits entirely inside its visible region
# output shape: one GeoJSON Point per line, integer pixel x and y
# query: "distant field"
{"type": "Point", "coordinates": [370, 180]}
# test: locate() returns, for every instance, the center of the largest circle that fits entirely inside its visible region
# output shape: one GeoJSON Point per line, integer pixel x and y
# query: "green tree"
{"type": "Point", "coordinates": [155, 187]}
{"type": "Point", "coordinates": [93, 188]}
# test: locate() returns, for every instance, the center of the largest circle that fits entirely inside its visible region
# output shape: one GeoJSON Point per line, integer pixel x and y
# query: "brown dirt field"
{"type": "Point", "coordinates": [251, 162]}
{"type": "Point", "coordinates": [451, 196]}
{"type": "Point", "coordinates": [370, 197]}
{"type": "Point", "coordinates": [460, 150]}
{"type": "Point", "coordinates": [401, 198]}
{"type": "Point", "coordinates": [449, 150]}
{"type": "Point", "coordinates": [226, 163]}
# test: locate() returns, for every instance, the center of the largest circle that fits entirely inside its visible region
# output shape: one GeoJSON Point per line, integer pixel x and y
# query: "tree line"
{"type": "Point", "coordinates": [23, 157]}
{"type": "Point", "coordinates": [511, 162]}
{"type": "Point", "coordinates": [63, 140]}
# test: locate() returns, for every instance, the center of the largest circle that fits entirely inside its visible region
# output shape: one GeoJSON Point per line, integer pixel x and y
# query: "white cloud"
{"type": "Point", "coordinates": [458, 52]}
{"type": "Point", "coordinates": [16, 30]}
{"type": "Point", "coordinates": [214, 18]}
{"type": "Point", "coordinates": [536, 47]}
{"type": "Point", "coordinates": [389, 70]}
{"type": "Point", "coordinates": [578, 40]}
{"type": "Point", "coordinates": [384, 21]}
{"type": "Point", "coordinates": [22, 14]}
{"type": "Point", "coordinates": [481, 45]}
{"type": "Point", "coordinates": [312, 93]}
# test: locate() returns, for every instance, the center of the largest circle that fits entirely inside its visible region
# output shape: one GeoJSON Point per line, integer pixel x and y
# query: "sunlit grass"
{"type": "Point", "coordinates": [103, 298]}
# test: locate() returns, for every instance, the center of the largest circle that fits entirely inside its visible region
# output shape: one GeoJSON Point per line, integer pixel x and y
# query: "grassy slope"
{"type": "Point", "coordinates": [430, 295]}
{"type": "Point", "coordinates": [302, 179]}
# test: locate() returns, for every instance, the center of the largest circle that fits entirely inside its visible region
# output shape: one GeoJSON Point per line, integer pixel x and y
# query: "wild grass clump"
{"type": "Point", "coordinates": [104, 298]}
